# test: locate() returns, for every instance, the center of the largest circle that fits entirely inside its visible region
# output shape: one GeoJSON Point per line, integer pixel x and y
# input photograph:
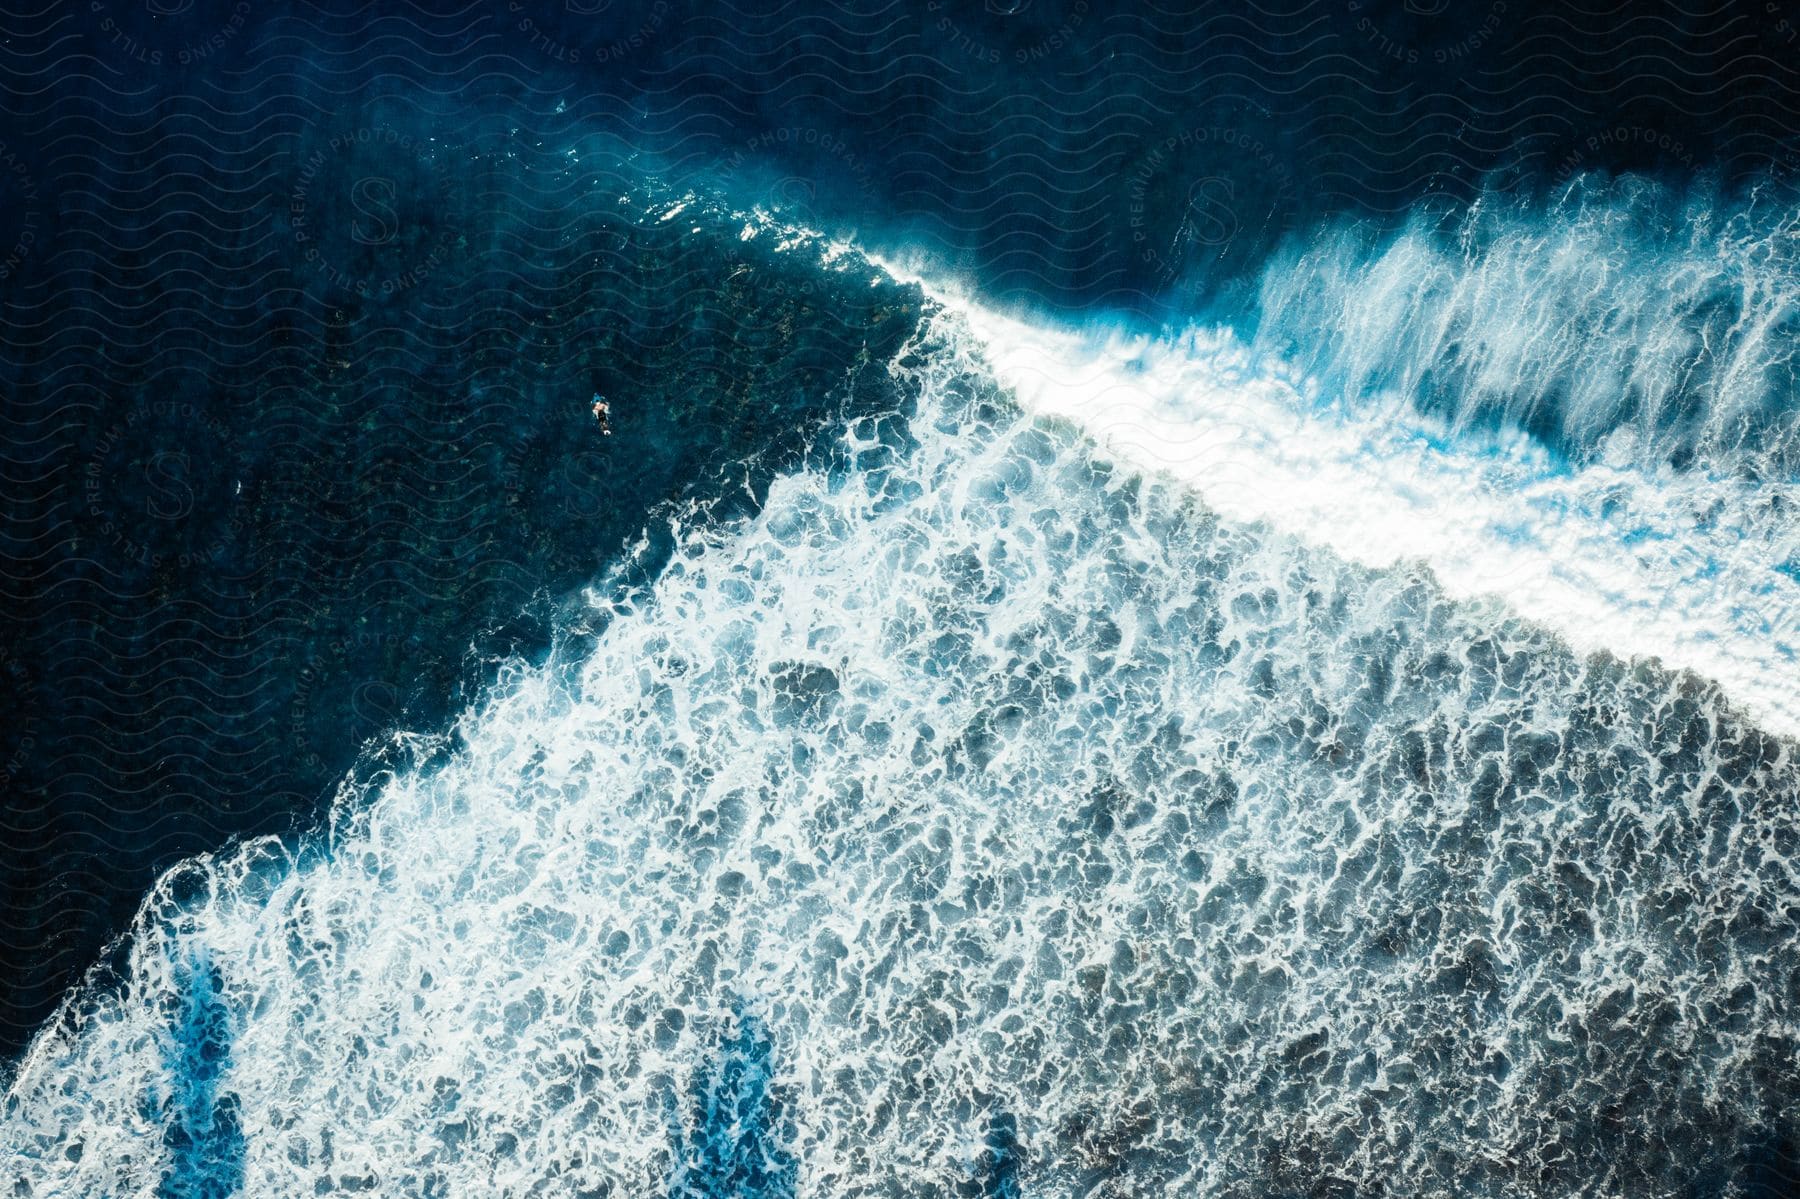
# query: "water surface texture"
{"type": "Point", "coordinates": [995, 599]}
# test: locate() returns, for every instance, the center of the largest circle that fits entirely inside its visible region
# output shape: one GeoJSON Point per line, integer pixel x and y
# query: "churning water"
{"type": "Point", "coordinates": [1012, 808]}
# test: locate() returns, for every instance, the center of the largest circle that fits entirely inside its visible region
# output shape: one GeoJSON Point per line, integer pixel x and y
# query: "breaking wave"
{"type": "Point", "coordinates": [1621, 321]}
{"type": "Point", "coordinates": [983, 817]}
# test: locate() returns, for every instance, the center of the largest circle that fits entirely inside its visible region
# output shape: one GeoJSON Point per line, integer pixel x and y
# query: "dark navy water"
{"type": "Point", "coordinates": [305, 308]}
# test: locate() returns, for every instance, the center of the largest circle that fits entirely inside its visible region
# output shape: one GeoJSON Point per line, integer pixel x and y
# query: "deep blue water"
{"type": "Point", "coordinates": [304, 311]}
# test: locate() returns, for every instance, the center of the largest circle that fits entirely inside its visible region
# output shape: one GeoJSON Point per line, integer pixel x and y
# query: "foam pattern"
{"type": "Point", "coordinates": [981, 818]}
{"type": "Point", "coordinates": [1620, 320]}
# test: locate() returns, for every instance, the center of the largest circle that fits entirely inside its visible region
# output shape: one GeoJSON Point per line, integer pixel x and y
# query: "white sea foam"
{"type": "Point", "coordinates": [1617, 550]}
{"type": "Point", "coordinates": [990, 815]}
{"type": "Point", "coordinates": [1381, 408]}
{"type": "Point", "coordinates": [979, 813]}
{"type": "Point", "coordinates": [1616, 321]}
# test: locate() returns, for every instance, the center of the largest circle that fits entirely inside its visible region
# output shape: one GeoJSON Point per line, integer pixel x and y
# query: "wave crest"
{"type": "Point", "coordinates": [980, 818]}
{"type": "Point", "coordinates": [1618, 321]}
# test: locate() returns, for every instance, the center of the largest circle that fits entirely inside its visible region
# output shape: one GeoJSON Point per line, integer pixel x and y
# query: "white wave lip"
{"type": "Point", "coordinates": [1697, 569]}
{"type": "Point", "coordinates": [1618, 319]}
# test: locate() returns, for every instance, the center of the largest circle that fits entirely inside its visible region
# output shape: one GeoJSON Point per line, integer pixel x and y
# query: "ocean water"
{"type": "Point", "coordinates": [984, 813]}
{"type": "Point", "coordinates": [1117, 638]}
{"type": "Point", "coordinates": [1556, 407]}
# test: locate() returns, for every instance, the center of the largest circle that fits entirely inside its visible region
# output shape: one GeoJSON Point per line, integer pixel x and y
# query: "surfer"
{"type": "Point", "coordinates": [603, 414]}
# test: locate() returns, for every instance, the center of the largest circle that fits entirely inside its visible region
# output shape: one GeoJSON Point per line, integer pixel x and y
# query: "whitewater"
{"type": "Point", "coordinates": [1144, 764]}
{"type": "Point", "coordinates": [1590, 413]}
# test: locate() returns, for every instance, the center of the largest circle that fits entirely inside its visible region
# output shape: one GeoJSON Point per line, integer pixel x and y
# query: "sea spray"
{"type": "Point", "coordinates": [1616, 321]}
{"type": "Point", "coordinates": [1696, 568]}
